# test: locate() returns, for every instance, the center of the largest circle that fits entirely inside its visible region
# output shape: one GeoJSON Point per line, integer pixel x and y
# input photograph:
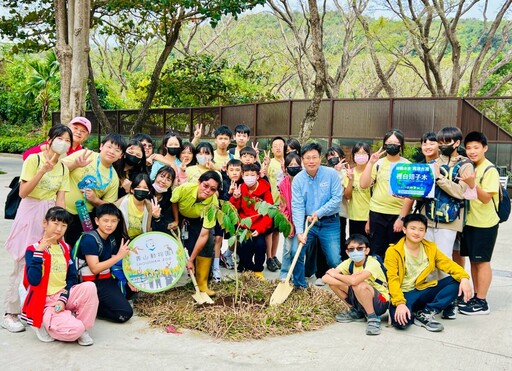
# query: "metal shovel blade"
{"type": "Point", "coordinates": [284, 289]}
{"type": "Point", "coordinates": [200, 297]}
{"type": "Point", "coordinates": [281, 293]}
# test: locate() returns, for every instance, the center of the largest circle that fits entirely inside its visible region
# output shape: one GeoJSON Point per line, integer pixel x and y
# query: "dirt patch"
{"type": "Point", "coordinates": [249, 318]}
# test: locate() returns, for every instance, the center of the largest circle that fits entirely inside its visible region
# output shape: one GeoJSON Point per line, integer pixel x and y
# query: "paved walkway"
{"type": "Point", "coordinates": [468, 343]}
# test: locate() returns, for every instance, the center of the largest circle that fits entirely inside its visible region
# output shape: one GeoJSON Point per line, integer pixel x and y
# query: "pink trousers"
{"type": "Point", "coordinates": [78, 316]}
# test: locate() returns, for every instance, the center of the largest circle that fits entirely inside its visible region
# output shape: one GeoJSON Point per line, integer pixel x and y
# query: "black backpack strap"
{"type": "Point", "coordinates": [351, 267]}
{"type": "Point", "coordinates": [351, 270]}
{"type": "Point", "coordinates": [97, 238]}
{"type": "Point", "coordinates": [500, 192]}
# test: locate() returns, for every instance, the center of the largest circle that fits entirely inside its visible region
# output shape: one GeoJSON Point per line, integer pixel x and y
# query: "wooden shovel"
{"type": "Point", "coordinates": [200, 297]}
{"type": "Point", "coordinates": [284, 289]}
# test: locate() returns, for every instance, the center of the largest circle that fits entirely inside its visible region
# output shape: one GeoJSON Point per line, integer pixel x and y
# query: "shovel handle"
{"type": "Point", "coordinates": [177, 235]}
{"type": "Point", "coordinates": [296, 256]}
{"type": "Point", "coordinates": [192, 274]}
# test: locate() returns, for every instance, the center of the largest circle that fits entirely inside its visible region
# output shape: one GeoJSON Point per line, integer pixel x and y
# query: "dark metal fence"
{"type": "Point", "coordinates": [339, 120]}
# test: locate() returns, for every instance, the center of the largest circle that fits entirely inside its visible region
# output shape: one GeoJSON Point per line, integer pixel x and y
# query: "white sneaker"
{"type": "Point", "coordinates": [43, 335]}
{"type": "Point", "coordinates": [85, 339]}
{"type": "Point", "coordinates": [227, 259]}
{"type": "Point", "coordinates": [12, 323]}
{"type": "Point", "coordinates": [319, 282]}
{"type": "Point", "coordinates": [216, 275]}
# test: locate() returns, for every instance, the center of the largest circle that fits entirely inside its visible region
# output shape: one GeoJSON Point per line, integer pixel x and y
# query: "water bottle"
{"type": "Point", "coordinates": [83, 214]}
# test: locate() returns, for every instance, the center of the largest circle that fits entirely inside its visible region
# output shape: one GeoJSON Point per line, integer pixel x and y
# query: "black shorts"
{"type": "Point", "coordinates": [478, 243]}
{"type": "Point", "coordinates": [217, 230]}
{"type": "Point", "coordinates": [380, 305]}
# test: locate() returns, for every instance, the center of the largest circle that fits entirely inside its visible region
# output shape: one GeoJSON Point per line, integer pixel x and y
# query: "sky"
{"type": "Point", "coordinates": [377, 10]}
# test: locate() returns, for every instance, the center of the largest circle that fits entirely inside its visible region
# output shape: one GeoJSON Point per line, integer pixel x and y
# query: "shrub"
{"type": "Point", "coordinates": [17, 144]}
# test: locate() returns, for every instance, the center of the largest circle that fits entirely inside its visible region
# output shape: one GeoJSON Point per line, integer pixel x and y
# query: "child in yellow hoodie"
{"type": "Point", "coordinates": [415, 296]}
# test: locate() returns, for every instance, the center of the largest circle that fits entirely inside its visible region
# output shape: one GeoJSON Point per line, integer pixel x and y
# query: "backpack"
{"type": "Point", "coordinates": [381, 262]}
{"type": "Point", "coordinates": [503, 207]}
{"type": "Point", "coordinates": [79, 263]}
{"type": "Point", "coordinates": [13, 199]}
{"type": "Point", "coordinates": [444, 208]}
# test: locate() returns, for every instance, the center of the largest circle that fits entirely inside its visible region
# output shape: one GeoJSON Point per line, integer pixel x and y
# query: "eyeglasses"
{"type": "Point", "coordinates": [358, 248]}
{"type": "Point", "coordinates": [116, 150]}
{"type": "Point", "coordinates": [208, 187]}
{"type": "Point", "coordinates": [147, 145]}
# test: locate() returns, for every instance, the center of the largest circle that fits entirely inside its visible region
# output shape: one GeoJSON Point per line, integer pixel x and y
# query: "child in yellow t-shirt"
{"type": "Point", "coordinates": [44, 183]}
{"type": "Point", "coordinates": [481, 229]}
{"type": "Point", "coordinates": [386, 211]}
{"type": "Point", "coordinates": [416, 294]}
{"type": "Point", "coordinates": [361, 283]}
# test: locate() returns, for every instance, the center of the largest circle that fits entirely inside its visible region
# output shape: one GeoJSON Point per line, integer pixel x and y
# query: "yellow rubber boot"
{"type": "Point", "coordinates": [202, 270]}
{"type": "Point", "coordinates": [259, 275]}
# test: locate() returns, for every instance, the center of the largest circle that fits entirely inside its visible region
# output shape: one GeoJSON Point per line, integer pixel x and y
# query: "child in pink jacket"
{"type": "Point", "coordinates": [56, 306]}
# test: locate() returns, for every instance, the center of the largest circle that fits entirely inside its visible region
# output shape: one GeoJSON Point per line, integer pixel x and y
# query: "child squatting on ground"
{"type": "Point", "coordinates": [57, 307]}
{"type": "Point", "coordinates": [361, 283]}
{"type": "Point", "coordinates": [415, 296]}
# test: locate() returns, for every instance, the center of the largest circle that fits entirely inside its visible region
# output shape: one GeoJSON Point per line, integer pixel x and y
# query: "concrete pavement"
{"type": "Point", "coordinates": [467, 343]}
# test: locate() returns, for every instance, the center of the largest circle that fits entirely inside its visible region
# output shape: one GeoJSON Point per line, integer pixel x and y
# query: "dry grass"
{"type": "Point", "coordinates": [252, 318]}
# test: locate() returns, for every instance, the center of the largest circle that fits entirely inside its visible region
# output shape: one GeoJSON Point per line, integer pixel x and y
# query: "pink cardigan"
{"type": "Point", "coordinates": [285, 204]}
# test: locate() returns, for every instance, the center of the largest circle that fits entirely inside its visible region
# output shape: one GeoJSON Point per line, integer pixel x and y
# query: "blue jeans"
{"type": "Point", "coordinates": [435, 299]}
{"type": "Point", "coordinates": [290, 244]}
{"type": "Point", "coordinates": [327, 232]}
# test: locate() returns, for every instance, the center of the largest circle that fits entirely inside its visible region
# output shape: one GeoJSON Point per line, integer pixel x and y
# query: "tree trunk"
{"type": "Point", "coordinates": [155, 77]}
{"type": "Point", "coordinates": [80, 46]}
{"type": "Point", "coordinates": [95, 102]}
{"type": "Point", "coordinates": [64, 56]}
{"type": "Point", "coordinates": [320, 74]}
{"type": "Point", "coordinates": [72, 23]}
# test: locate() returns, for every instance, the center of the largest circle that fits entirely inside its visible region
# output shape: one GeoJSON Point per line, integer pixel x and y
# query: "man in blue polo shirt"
{"type": "Point", "coordinates": [316, 194]}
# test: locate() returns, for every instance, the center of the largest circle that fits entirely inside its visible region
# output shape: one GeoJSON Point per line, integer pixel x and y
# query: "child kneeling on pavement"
{"type": "Point", "coordinates": [415, 296]}
{"type": "Point", "coordinates": [57, 307]}
{"type": "Point", "coordinates": [361, 283]}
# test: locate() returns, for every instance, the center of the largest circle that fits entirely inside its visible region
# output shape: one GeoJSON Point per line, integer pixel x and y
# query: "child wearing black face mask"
{"type": "Point", "coordinates": [129, 166]}
{"type": "Point", "coordinates": [136, 207]}
{"type": "Point", "coordinates": [292, 163]}
{"type": "Point", "coordinates": [386, 211]}
{"type": "Point", "coordinates": [455, 181]}
{"type": "Point", "coordinates": [336, 159]}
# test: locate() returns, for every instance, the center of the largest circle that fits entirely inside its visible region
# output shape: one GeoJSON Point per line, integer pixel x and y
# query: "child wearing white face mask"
{"type": "Point", "coordinates": [44, 181]}
{"type": "Point", "coordinates": [204, 158]}
{"type": "Point", "coordinates": [252, 252]}
{"type": "Point", "coordinates": [360, 282]}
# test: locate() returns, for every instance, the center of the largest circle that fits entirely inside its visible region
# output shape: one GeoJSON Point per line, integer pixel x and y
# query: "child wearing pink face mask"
{"type": "Point", "coordinates": [359, 198]}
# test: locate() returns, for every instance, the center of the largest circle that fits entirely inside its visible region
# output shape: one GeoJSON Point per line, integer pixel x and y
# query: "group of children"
{"type": "Point", "coordinates": [128, 190]}
{"type": "Point", "coordinates": [413, 263]}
